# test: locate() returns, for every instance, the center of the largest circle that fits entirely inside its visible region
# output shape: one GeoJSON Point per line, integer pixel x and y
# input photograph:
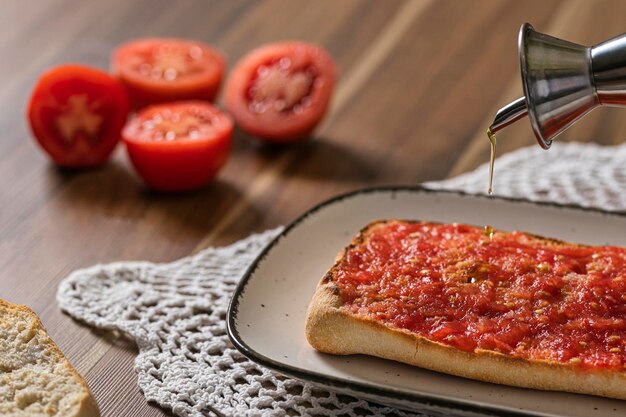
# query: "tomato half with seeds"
{"type": "Point", "coordinates": [159, 70]}
{"type": "Point", "coordinates": [76, 113]}
{"type": "Point", "coordinates": [280, 92]}
{"type": "Point", "coordinates": [178, 146]}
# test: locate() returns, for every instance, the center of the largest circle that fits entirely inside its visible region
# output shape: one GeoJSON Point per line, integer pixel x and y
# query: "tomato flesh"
{"type": "Point", "coordinates": [76, 113]}
{"type": "Point", "coordinates": [159, 70]}
{"type": "Point", "coordinates": [178, 146]}
{"type": "Point", "coordinates": [509, 294]}
{"type": "Point", "coordinates": [280, 92]}
{"type": "Point", "coordinates": [276, 88]}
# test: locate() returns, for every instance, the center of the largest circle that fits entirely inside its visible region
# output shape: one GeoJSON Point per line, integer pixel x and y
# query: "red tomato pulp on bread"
{"type": "Point", "coordinates": [508, 292]}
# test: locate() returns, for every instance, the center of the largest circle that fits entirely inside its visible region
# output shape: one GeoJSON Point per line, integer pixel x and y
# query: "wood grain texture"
{"type": "Point", "coordinates": [419, 83]}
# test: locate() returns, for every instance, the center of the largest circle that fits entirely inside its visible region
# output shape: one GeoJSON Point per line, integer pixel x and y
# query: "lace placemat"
{"type": "Point", "coordinates": [176, 312]}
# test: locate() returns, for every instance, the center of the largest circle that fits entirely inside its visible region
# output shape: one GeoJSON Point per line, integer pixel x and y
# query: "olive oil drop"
{"type": "Point", "coordinates": [492, 140]}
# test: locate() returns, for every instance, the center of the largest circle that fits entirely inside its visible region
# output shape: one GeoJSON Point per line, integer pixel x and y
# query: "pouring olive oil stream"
{"type": "Point", "coordinates": [492, 158]}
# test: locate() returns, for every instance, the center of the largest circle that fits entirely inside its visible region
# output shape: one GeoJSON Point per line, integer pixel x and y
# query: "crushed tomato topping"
{"type": "Point", "coordinates": [477, 289]}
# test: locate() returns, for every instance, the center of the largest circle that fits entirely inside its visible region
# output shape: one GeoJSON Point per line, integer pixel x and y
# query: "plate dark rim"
{"type": "Point", "coordinates": [365, 388]}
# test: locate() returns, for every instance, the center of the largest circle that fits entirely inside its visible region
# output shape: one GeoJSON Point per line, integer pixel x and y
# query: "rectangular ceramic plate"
{"type": "Point", "coordinates": [267, 313]}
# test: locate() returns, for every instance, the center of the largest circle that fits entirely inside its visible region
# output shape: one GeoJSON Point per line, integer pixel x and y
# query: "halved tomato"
{"type": "Point", "coordinates": [281, 91]}
{"type": "Point", "coordinates": [76, 113]}
{"type": "Point", "coordinates": [178, 146]}
{"type": "Point", "coordinates": [159, 70]}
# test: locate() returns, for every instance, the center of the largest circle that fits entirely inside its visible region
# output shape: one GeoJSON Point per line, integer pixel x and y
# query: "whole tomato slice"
{"type": "Point", "coordinates": [159, 70]}
{"type": "Point", "coordinates": [280, 92]}
{"type": "Point", "coordinates": [76, 113]}
{"type": "Point", "coordinates": [178, 146]}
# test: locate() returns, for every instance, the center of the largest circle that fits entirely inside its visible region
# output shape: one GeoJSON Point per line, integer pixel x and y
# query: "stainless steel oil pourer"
{"type": "Point", "coordinates": [563, 81]}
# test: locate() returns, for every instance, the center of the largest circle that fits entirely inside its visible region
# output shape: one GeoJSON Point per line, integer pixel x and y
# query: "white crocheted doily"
{"type": "Point", "coordinates": [176, 312]}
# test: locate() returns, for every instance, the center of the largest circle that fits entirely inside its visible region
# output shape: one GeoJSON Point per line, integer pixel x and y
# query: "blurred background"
{"type": "Point", "coordinates": [419, 83]}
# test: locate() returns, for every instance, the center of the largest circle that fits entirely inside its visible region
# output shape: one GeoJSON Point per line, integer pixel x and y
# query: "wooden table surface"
{"type": "Point", "coordinates": [419, 83]}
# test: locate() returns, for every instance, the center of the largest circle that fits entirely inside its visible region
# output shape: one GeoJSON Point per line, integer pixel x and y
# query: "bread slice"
{"type": "Point", "coordinates": [36, 380]}
{"type": "Point", "coordinates": [333, 328]}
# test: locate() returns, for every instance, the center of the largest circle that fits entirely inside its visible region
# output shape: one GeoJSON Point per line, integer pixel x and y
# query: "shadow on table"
{"type": "Point", "coordinates": [114, 191]}
{"type": "Point", "coordinates": [199, 211]}
{"type": "Point", "coordinates": [323, 159]}
{"type": "Point", "coordinates": [112, 337]}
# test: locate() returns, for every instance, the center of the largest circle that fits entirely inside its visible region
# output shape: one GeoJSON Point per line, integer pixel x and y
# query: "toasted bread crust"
{"type": "Point", "coordinates": [332, 329]}
{"type": "Point", "coordinates": [87, 405]}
